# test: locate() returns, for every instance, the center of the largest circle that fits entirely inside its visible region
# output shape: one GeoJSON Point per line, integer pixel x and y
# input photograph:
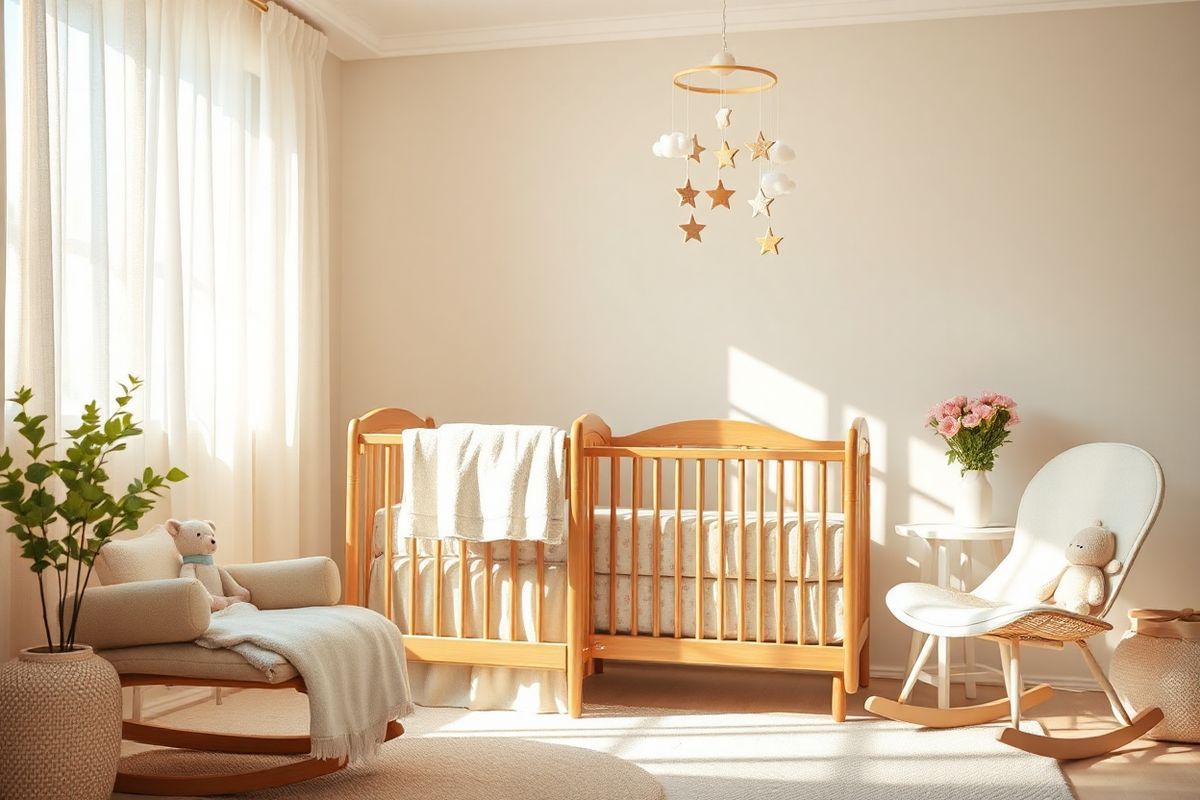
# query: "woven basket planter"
{"type": "Point", "coordinates": [60, 726]}
{"type": "Point", "coordinates": [1157, 664]}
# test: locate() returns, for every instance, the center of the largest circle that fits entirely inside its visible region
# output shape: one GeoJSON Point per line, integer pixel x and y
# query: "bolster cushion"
{"type": "Point", "coordinates": [295, 583]}
{"type": "Point", "coordinates": [142, 612]}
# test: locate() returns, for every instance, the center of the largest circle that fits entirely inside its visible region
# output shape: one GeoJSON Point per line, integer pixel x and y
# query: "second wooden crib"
{"type": "Point", "coordinates": [712, 542]}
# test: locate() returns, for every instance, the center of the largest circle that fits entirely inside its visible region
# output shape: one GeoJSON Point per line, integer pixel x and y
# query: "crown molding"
{"type": "Point", "coordinates": [353, 38]}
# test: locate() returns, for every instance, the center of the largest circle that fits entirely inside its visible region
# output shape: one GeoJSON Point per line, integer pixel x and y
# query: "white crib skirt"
{"type": "Point", "coordinates": [479, 688]}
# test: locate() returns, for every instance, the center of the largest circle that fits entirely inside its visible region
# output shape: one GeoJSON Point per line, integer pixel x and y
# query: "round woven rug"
{"type": "Point", "coordinates": [466, 768]}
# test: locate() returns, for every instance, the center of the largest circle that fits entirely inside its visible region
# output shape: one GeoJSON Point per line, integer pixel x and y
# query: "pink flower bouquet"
{"type": "Point", "coordinates": [975, 428]}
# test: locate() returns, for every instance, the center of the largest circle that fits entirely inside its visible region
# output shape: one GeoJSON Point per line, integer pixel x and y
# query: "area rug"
{"type": "Point", "coordinates": [695, 756]}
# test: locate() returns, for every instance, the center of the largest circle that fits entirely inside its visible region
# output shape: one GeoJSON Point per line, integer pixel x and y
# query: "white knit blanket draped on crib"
{"type": "Point", "coordinates": [484, 483]}
{"type": "Point", "coordinates": [351, 660]}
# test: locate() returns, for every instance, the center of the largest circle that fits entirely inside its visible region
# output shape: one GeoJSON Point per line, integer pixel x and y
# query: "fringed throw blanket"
{"type": "Point", "coordinates": [351, 660]}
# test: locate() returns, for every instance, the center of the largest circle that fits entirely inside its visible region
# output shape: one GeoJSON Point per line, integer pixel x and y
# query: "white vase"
{"type": "Point", "coordinates": [973, 508]}
{"type": "Point", "coordinates": [60, 726]}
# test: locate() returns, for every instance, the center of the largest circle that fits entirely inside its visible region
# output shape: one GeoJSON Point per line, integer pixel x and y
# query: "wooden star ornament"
{"type": "Point", "coordinates": [760, 204]}
{"type": "Point", "coordinates": [769, 243]}
{"type": "Point", "coordinates": [720, 195]}
{"type": "Point", "coordinates": [696, 149]}
{"type": "Point", "coordinates": [759, 147]}
{"type": "Point", "coordinates": [687, 195]}
{"type": "Point", "coordinates": [726, 155]}
{"type": "Point", "coordinates": [692, 230]}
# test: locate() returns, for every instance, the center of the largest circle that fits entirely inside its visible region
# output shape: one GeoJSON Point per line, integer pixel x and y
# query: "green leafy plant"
{"type": "Point", "coordinates": [63, 509]}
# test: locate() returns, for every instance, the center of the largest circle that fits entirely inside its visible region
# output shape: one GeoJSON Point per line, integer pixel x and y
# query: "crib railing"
{"type": "Point", "coordinates": [462, 635]}
{"type": "Point", "coordinates": [718, 470]}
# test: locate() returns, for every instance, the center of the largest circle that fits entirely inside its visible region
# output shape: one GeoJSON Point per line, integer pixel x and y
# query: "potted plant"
{"type": "Point", "coordinates": [61, 703]}
{"type": "Point", "coordinates": [974, 429]}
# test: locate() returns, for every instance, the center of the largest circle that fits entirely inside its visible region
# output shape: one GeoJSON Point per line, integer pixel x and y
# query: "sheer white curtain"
{"type": "Point", "coordinates": [169, 220]}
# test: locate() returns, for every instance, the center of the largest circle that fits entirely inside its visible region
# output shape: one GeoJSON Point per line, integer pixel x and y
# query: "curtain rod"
{"type": "Point", "coordinates": [261, 5]}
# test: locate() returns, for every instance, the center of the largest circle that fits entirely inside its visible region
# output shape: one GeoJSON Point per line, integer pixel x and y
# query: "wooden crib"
{"type": "Point", "coordinates": [713, 467]}
{"type": "Point", "coordinates": [678, 479]}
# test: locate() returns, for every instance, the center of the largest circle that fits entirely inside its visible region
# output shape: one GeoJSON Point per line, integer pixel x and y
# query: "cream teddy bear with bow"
{"type": "Point", "coordinates": [196, 541]}
{"type": "Point", "coordinates": [1080, 586]}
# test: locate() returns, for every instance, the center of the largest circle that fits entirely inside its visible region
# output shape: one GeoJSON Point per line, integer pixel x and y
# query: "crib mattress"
{"type": "Point", "coordinates": [834, 608]}
{"type": "Point", "coordinates": [710, 550]}
{"type": "Point", "coordinates": [602, 531]}
{"type": "Point", "coordinates": [555, 599]}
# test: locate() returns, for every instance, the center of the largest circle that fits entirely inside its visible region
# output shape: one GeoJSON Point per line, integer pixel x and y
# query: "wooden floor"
{"type": "Point", "coordinates": [1145, 770]}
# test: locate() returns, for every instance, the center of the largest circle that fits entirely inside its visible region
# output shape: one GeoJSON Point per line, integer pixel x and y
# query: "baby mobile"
{"type": "Point", "coordinates": [724, 77]}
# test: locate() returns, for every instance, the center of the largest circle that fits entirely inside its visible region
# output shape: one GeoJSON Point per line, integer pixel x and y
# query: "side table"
{"type": "Point", "coordinates": [945, 544]}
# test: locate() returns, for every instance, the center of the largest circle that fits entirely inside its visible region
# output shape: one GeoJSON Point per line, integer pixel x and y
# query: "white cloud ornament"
{"type": "Point", "coordinates": [781, 153]}
{"type": "Point", "coordinates": [774, 184]}
{"type": "Point", "coordinates": [672, 145]}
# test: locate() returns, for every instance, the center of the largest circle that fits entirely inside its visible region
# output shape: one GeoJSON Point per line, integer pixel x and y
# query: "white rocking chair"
{"type": "Point", "coordinates": [1121, 485]}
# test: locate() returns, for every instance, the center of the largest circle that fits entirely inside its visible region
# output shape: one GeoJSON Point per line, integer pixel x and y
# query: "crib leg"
{"type": "Point", "coordinates": [864, 665]}
{"type": "Point", "coordinates": [597, 666]}
{"type": "Point", "coordinates": [839, 697]}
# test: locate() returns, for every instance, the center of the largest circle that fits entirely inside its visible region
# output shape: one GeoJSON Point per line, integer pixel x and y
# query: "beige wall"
{"type": "Point", "coordinates": [1005, 203]}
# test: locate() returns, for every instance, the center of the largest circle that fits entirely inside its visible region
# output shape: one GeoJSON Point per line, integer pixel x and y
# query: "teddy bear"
{"type": "Point", "coordinates": [1079, 587]}
{"type": "Point", "coordinates": [196, 541]}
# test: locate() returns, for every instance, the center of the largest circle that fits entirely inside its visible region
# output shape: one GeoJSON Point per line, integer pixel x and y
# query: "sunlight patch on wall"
{"type": "Point", "coordinates": [761, 393]}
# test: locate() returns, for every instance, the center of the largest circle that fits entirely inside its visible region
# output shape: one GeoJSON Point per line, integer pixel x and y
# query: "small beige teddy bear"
{"type": "Point", "coordinates": [196, 541]}
{"type": "Point", "coordinates": [1080, 586]}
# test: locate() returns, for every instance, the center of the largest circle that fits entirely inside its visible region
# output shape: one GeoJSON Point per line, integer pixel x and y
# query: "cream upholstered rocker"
{"type": "Point", "coordinates": [144, 619]}
{"type": "Point", "coordinates": [1119, 484]}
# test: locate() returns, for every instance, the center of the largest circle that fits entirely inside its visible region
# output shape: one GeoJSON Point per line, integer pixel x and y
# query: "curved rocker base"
{"type": "Point", "coordinates": [1069, 749]}
{"type": "Point", "coordinates": [206, 785]}
{"type": "Point", "coordinates": [959, 716]}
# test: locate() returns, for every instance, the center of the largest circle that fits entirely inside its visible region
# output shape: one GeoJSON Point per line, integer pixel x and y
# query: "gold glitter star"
{"type": "Point", "coordinates": [769, 243]}
{"type": "Point", "coordinates": [696, 149]}
{"type": "Point", "coordinates": [759, 147]}
{"type": "Point", "coordinates": [692, 230]}
{"type": "Point", "coordinates": [687, 195]}
{"type": "Point", "coordinates": [726, 155]}
{"type": "Point", "coordinates": [720, 195]}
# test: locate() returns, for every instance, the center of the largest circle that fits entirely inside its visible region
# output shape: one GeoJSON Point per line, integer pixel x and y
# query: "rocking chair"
{"type": "Point", "coordinates": [143, 620]}
{"type": "Point", "coordinates": [1119, 484]}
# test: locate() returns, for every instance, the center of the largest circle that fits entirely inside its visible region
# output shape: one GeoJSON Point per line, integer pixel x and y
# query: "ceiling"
{"type": "Point", "coordinates": [383, 28]}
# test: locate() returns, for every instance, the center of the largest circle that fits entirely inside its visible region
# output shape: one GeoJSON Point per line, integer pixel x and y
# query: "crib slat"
{"type": "Point", "coordinates": [513, 591]}
{"type": "Point", "coordinates": [370, 503]}
{"type": "Point", "coordinates": [396, 454]}
{"type": "Point", "coordinates": [780, 550]}
{"type": "Point", "coordinates": [699, 579]}
{"type": "Point", "coordinates": [487, 591]}
{"type": "Point", "coordinates": [614, 493]}
{"type": "Point", "coordinates": [741, 556]}
{"type": "Point", "coordinates": [593, 476]}
{"type": "Point", "coordinates": [721, 549]}
{"type": "Point", "coordinates": [636, 490]}
{"type": "Point", "coordinates": [759, 561]}
{"type": "Point", "coordinates": [803, 535]}
{"type": "Point", "coordinates": [822, 532]}
{"type": "Point", "coordinates": [437, 589]}
{"type": "Point", "coordinates": [657, 557]}
{"type": "Point", "coordinates": [678, 548]}
{"type": "Point", "coordinates": [540, 591]}
{"type": "Point", "coordinates": [464, 566]}
{"type": "Point", "coordinates": [387, 536]}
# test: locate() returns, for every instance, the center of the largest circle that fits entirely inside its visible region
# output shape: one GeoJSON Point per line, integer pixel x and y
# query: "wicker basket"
{"type": "Point", "coordinates": [60, 726]}
{"type": "Point", "coordinates": [1157, 663]}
